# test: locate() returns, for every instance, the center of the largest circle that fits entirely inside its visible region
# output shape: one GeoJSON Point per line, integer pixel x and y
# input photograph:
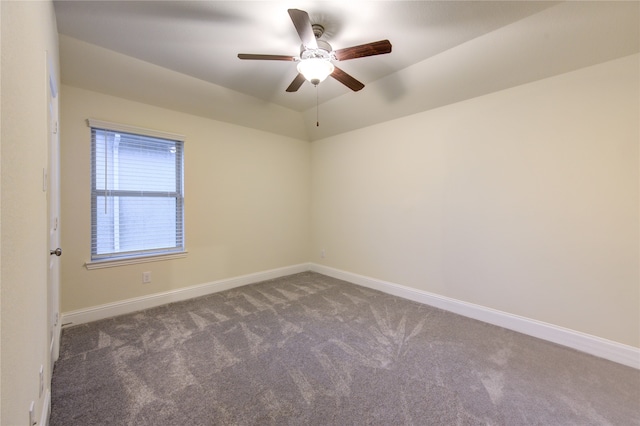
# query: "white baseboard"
{"type": "Point", "coordinates": [593, 345]}
{"type": "Point", "coordinates": [46, 409]}
{"type": "Point", "coordinates": [127, 306]}
{"type": "Point", "coordinates": [603, 348]}
{"type": "Point", "coordinates": [58, 334]}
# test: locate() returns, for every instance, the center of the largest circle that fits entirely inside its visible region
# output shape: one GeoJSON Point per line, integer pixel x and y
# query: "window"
{"type": "Point", "coordinates": [136, 192]}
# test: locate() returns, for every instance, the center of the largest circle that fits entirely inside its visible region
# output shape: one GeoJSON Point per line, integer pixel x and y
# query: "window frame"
{"type": "Point", "coordinates": [140, 256]}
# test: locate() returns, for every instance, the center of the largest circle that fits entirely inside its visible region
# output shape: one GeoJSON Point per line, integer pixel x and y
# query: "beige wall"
{"type": "Point", "coordinates": [247, 198]}
{"type": "Point", "coordinates": [525, 201]}
{"type": "Point", "coordinates": [28, 30]}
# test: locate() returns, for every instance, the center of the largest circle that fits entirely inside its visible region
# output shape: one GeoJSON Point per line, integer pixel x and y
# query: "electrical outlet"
{"type": "Point", "coordinates": [146, 277]}
{"type": "Point", "coordinates": [322, 253]}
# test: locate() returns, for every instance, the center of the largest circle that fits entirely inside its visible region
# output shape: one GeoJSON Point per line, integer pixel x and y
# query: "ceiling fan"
{"type": "Point", "coordinates": [314, 62]}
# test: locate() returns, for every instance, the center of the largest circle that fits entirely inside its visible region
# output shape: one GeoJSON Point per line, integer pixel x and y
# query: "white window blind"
{"type": "Point", "coordinates": [136, 193]}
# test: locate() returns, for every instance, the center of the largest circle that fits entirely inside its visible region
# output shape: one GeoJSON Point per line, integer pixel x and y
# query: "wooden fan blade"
{"type": "Point", "coordinates": [302, 23]}
{"type": "Point", "coordinates": [265, 57]}
{"type": "Point", "coordinates": [369, 49]}
{"type": "Point", "coordinates": [296, 83]}
{"type": "Point", "coordinates": [346, 79]}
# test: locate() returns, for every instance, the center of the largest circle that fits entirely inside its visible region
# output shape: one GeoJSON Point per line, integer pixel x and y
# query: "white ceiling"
{"type": "Point", "coordinates": [183, 55]}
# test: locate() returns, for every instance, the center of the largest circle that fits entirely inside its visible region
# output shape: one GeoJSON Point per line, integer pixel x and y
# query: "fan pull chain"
{"type": "Point", "coordinates": [317, 108]}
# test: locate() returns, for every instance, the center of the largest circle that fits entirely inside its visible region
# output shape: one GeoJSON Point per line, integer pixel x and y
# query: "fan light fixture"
{"type": "Point", "coordinates": [315, 70]}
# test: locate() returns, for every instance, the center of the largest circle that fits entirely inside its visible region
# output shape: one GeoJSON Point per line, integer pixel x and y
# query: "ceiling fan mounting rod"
{"type": "Point", "coordinates": [318, 30]}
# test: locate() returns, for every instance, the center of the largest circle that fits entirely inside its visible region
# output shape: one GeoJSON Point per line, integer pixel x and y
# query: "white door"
{"type": "Point", "coordinates": [52, 186]}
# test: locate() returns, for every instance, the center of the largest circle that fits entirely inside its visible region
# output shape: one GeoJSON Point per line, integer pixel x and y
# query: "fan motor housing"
{"type": "Point", "coordinates": [324, 50]}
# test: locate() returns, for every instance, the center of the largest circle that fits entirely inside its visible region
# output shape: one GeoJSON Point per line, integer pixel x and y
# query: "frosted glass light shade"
{"type": "Point", "coordinates": [315, 70]}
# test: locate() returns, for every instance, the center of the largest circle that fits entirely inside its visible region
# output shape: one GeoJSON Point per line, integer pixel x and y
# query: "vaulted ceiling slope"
{"type": "Point", "coordinates": [183, 55]}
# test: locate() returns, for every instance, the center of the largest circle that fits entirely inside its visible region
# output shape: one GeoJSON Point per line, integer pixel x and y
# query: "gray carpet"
{"type": "Point", "coordinates": [309, 349]}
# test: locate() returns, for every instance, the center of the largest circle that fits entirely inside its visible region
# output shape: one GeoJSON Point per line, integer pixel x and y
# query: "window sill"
{"type": "Point", "coordinates": [134, 260]}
